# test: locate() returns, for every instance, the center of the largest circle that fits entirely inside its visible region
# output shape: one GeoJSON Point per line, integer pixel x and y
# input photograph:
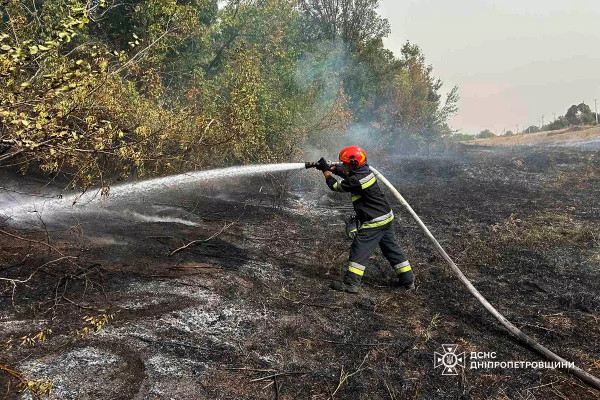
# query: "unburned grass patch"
{"type": "Point", "coordinates": [544, 230]}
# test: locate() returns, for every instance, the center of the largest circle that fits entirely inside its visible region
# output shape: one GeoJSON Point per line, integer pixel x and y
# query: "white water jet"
{"type": "Point", "coordinates": [20, 208]}
{"type": "Point", "coordinates": [153, 218]}
{"type": "Point", "coordinates": [175, 181]}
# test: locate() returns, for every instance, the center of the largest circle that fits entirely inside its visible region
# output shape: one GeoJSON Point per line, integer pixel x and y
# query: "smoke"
{"type": "Point", "coordinates": [320, 73]}
{"type": "Point", "coordinates": [324, 66]}
{"type": "Point", "coordinates": [330, 69]}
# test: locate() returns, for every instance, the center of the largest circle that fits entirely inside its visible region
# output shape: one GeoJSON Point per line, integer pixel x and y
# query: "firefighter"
{"type": "Point", "coordinates": [373, 220]}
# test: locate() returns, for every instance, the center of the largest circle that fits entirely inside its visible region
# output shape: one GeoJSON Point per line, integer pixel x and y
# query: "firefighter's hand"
{"type": "Point", "coordinates": [322, 165]}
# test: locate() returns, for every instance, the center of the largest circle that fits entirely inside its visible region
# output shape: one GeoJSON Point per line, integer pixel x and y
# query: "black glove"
{"type": "Point", "coordinates": [351, 226]}
{"type": "Point", "coordinates": [323, 165]}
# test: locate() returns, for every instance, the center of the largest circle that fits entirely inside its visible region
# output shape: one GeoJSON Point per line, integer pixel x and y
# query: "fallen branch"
{"type": "Point", "coordinates": [247, 369]}
{"type": "Point", "coordinates": [14, 374]}
{"type": "Point", "coordinates": [46, 196]}
{"type": "Point", "coordinates": [14, 281]}
{"type": "Point", "coordinates": [32, 241]}
{"type": "Point", "coordinates": [98, 310]}
{"type": "Point", "coordinates": [205, 266]}
{"type": "Point", "coordinates": [356, 344]}
{"type": "Point", "coordinates": [344, 377]}
{"type": "Point", "coordinates": [272, 376]}
{"type": "Point", "coordinates": [226, 226]}
{"type": "Point", "coordinates": [17, 264]}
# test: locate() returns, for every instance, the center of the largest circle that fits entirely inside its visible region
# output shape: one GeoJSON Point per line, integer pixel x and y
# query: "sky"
{"type": "Point", "coordinates": [513, 61]}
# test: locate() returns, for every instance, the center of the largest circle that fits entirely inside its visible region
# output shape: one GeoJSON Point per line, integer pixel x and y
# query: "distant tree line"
{"type": "Point", "coordinates": [576, 115]}
{"type": "Point", "coordinates": [102, 89]}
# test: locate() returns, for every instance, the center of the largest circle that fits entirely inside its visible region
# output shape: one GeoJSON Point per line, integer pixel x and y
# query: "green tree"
{"type": "Point", "coordinates": [103, 89]}
{"type": "Point", "coordinates": [485, 134]}
{"type": "Point", "coordinates": [462, 137]}
{"type": "Point", "coordinates": [580, 115]}
{"type": "Point", "coordinates": [355, 22]}
{"type": "Point", "coordinates": [414, 102]}
{"type": "Point", "coordinates": [560, 123]}
{"type": "Point", "coordinates": [532, 129]}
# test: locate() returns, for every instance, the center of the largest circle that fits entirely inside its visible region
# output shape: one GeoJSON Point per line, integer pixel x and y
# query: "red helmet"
{"type": "Point", "coordinates": [354, 156]}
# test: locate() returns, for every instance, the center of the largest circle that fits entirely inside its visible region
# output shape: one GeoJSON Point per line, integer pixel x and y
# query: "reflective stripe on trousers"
{"type": "Point", "coordinates": [356, 268]}
{"type": "Point", "coordinates": [379, 221]}
{"type": "Point", "coordinates": [402, 267]}
{"type": "Point", "coordinates": [363, 245]}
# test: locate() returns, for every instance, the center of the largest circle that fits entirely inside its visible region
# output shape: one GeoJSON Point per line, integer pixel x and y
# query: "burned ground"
{"type": "Point", "coordinates": [246, 312]}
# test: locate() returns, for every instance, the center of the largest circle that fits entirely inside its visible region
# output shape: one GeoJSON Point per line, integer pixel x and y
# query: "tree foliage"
{"type": "Point", "coordinates": [461, 137]}
{"type": "Point", "coordinates": [577, 114]}
{"type": "Point", "coordinates": [414, 103]}
{"type": "Point", "coordinates": [532, 129]}
{"type": "Point", "coordinates": [580, 115]}
{"type": "Point", "coordinates": [355, 22]}
{"type": "Point", "coordinates": [485, 134]}
{"type": "Point", "coordinates": [103, 89]}
{"type": "Point", "coordinates": [560, 123]}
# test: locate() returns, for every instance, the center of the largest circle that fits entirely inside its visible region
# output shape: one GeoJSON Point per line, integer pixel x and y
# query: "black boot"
{"type": "Point", "coordinates": [406, 287]}
{"type": "Point", "coordinates": [345, 287]}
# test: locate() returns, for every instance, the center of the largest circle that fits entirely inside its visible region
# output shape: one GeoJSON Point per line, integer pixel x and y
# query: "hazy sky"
{"type": "Point", "coordinates": [513, 60]}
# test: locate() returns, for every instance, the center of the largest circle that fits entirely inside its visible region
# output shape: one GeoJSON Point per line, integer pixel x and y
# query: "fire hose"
{"type": "Point", "coordinates": [578, 372]}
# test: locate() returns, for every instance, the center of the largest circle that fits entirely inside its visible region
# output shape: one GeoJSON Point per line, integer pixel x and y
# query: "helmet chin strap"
{"type": "Point", "coordinates": [345, 168]}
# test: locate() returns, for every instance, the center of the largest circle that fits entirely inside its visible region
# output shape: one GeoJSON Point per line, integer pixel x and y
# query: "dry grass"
{"type": "Point", "coordinates": [565, 135]}
{"type": "Point", "coordinates": [543, 230]}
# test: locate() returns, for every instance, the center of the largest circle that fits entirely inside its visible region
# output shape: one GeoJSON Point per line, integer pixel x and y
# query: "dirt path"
{"type": "Point", "coordinates": [210, 321]}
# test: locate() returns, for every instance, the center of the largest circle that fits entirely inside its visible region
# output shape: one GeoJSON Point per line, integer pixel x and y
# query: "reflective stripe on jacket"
{"type": "Point", "coordinates": [370, 205]}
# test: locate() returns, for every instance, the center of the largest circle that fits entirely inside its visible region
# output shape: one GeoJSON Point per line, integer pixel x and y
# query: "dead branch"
{"type": "Point", "coordinates": [33, 241]}
{"type": "Point", "coordinates": [247, 369]}
{"type": "Point", "coordinates": [99, 310]}
{"type": "Point", "coordinates": [226, 226]}
{"type": "Point", "coordinates": [281, 374]}
{"type": "Point", "coordinates": [46, 196]}
{"type": "Point", "coordinates": [14, 374]}
{"type": "Point", "coordinates": [15, 281]}
{"type": "Point", "coordinates": [17, 264]}
{"type": "Point", "coordinates": [344, 376]}
{"type": "Point", "coordinates": [356, 344]}
{"type": "Point", "coordinates": [140, 53]}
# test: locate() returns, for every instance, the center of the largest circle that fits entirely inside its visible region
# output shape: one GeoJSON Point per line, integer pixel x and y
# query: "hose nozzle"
{"type": "Point", "coordinates": [332, 165]}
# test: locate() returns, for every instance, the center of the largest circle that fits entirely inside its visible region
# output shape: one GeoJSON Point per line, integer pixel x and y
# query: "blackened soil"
{"type": "Point", "coordinates": [246, 313]}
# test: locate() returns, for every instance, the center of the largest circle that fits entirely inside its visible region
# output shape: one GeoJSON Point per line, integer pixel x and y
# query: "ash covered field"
{"type": "Point", "coordinates": [220, 290]}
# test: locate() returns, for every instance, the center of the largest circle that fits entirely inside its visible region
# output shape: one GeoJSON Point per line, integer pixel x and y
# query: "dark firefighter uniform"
{"type": "Point", "coordinates": [374, 216]}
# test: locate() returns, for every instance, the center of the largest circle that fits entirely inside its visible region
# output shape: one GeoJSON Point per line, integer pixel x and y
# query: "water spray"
{"type": "Point", "coordinates": [578, 372]}
{"type": "Point", "coordinates": [92, 199]}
